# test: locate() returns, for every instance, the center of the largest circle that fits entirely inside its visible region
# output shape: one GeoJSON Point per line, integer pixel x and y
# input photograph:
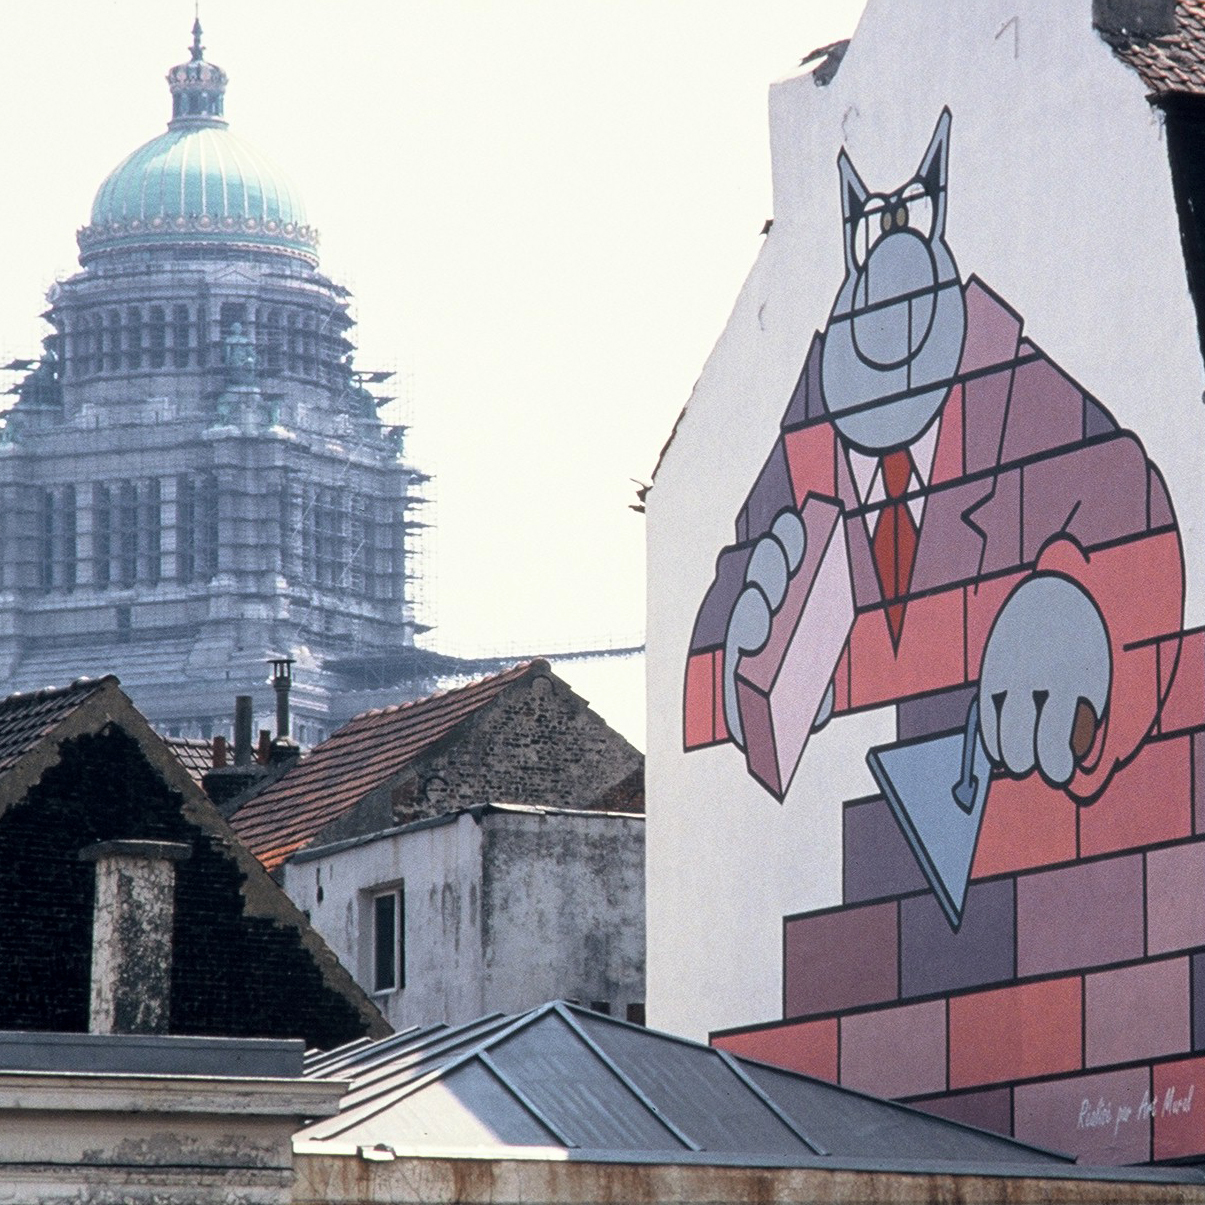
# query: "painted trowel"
{"type": "Point", "coordinates": [937, 788]}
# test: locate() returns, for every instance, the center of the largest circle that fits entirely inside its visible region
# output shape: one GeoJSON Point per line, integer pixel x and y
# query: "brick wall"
{"type": "Point", "coordinates": [1069, 1007]}
{"type": "Point", "coordinates": [536, 743]}
{"type": "Point", "coordinates": [232, 974]}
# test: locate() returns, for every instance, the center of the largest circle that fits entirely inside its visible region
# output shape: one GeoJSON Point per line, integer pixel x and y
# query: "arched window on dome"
{"type": "Point", "coordinates": [79, 361]}
{"type": "Point", "coordinates": [127, 534]}
{"type": "Point", "coordinates": [207, 526]}
{"type": "Point", "coordinates": [102, 536]}
{"type": "Point", "coordinates": [181, 324]}
{"type": "Point", "coordinates": [271, 342]}
{"type": "Point", "coordinates": [56, 566]}
{"type": "Point", "coordinates": [309, 355]}
{"type": "Point", "coordinates": [150, 530]}
{"type": "Point", "coordinates": [196, 527]}
{"type": "Point", "coordinates": [133, 337]}
{"type": "Point", "coordinates": [157, 337]}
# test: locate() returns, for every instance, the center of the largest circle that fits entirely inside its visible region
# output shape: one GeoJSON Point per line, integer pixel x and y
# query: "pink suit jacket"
{"type": "Point", "coordinates": [1029, 474]}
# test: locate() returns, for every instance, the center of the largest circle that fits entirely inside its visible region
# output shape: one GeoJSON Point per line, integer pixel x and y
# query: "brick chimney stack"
{"type": "Point", "coordinates": [132, 925]}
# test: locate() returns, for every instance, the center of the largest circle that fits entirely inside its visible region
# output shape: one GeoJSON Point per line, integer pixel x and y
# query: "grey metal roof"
{"type": "Point", "coordinates": [561, 1076]}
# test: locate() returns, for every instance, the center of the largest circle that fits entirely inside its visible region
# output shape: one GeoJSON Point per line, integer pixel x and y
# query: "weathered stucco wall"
{"type": "Point", "coordinates": [503, 911]}
{"type": "Point", "coordinates": [563, 910]}
{"type": "Point", "coordinates": [440, 867]}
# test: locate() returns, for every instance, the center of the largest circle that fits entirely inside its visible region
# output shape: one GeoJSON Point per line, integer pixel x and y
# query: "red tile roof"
{"type": "Point", "coordinates": [365, 752]}
{"type": "Point", "coordinates": [1175, 62]}
{"type": "Point", "coordinates": [28, 717]}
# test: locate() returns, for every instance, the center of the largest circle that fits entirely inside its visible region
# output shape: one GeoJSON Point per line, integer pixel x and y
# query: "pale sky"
{"type": "Point", "coordinates": [544, 208]}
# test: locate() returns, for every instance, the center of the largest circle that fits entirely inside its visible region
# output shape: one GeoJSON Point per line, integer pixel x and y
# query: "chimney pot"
{"type": "Point", "coordinates": [282, 680]}
{"type": "Point", "coordinates": [219, 752]}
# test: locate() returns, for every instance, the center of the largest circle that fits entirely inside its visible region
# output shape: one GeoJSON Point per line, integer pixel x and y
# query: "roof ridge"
{"type": "Point", "coordinates": [50, 692]}
{"type": "Point", "coordinates": [516, 670]}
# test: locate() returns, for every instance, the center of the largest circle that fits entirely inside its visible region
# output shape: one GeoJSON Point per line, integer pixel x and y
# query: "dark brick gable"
{"type": "Point", "coordinates": [234, 973]}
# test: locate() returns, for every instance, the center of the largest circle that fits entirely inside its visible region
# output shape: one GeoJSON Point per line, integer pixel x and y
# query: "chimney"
{"type": "Point", "coordinates": [284, 749]}
{"type": "Point", "coordinates": [242, 730]}
{"type": "Point", "coordinates": [1139, 19]}
{"type": "Point", "coordinates": [132, 924]}
{"type": "Point", "coordinates": [282, 680]}
{"type": "Point", "coordinates": [227, 785]}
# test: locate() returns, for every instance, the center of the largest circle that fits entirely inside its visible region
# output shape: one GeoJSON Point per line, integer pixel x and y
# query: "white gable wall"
{"type": "Point", "coordinates": [1060, 200]}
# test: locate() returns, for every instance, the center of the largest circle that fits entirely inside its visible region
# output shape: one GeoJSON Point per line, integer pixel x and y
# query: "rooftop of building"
{"type": "Point", "coordinates": [369, 750]}
{"type": "Point", "coordinates": [562, 1082]}
{"type": "Point", "coordinates": [1172, 62]}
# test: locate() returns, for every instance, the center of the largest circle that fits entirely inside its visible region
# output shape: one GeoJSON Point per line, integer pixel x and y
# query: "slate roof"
{"type": "Point", "coordinates": [194, 754]}
{"type": "Point", "coordinates": [370, 748]}
{"type": "Point", "coordinates": [26, 718]}
{"type": "Point", "coordinates": [561, 1076]}
{"type": "Point", "coordinates": [1175, 62]}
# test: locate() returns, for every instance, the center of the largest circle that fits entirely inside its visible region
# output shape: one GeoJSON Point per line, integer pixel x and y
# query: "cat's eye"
{"type": "Point", "coordinates": [918, 209]}
{"type": "Point", "coordinates": [873, 222]}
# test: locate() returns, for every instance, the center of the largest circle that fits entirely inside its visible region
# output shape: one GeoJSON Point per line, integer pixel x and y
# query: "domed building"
{"type": "Point", "coordinates": [194, 476]}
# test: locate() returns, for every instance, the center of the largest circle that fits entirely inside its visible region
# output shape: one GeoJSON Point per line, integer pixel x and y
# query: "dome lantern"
{"type": "Point", "coordinates": [198, 88]}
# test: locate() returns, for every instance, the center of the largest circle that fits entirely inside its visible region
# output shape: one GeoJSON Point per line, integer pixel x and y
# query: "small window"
{"type": "Point", "coordinates": [388, 941]}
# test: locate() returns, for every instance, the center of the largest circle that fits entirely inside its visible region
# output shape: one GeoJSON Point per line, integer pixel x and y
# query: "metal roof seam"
{"type": "Point", "coordinates": [563, 1012]}
{"type": "Point", "coordinates": [518, 1023]}
{"type": "Point", "coordinates": [768, 1101]}
{"type": "Point", "coordinates": [488, 1063]}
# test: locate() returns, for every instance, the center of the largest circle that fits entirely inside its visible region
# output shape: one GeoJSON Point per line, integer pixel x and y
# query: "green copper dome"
{"type": "Point", "coordinates": [198, 183]}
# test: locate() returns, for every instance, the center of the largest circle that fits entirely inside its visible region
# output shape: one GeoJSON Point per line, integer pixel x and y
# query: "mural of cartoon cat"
{"type": "Point", "coordinates": [948, 524]}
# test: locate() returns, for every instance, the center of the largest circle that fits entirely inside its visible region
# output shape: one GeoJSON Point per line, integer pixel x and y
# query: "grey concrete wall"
{"type": "Point", "coordinates": [503, 912]}
{"type": "Point", "coordinates": [563, 910]}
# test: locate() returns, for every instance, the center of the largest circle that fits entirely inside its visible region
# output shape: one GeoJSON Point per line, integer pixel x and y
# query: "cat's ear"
{"type": "Point", "coordinates": [932, 171]}
{"type": "Point", "coordinates": [853, 202]}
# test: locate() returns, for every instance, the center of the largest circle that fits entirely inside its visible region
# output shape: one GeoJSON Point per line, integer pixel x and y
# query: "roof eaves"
{"type": "Point", "coordinates": [436, 1073]}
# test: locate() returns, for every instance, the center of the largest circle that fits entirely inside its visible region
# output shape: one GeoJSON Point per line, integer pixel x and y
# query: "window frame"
{"type": "Point", "coordinates": [392, 899]}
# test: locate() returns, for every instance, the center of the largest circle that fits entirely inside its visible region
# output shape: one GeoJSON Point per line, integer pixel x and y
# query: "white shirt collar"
{"type": "Point", "coordinates": [868, 479]}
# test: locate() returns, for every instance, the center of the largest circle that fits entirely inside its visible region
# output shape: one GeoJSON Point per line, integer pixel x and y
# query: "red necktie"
{"type": "Point", "coordinates": [894, 542]}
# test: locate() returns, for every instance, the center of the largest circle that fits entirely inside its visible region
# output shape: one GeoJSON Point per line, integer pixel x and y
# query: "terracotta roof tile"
{"type": "Point", "coordinates": [366, 751]}
{"type": "Point", "coordinates": [1175, 62]}
{"type": "Point", "coordinates": [27, 717]}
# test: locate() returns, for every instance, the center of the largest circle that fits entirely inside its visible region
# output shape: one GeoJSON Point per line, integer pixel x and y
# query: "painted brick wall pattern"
{"type": "Point", "coordinates": [1069, 1007]}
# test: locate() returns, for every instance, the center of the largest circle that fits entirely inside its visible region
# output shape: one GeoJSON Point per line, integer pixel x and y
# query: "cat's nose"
{"type": "Point", "coordinates": [894, 300]}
